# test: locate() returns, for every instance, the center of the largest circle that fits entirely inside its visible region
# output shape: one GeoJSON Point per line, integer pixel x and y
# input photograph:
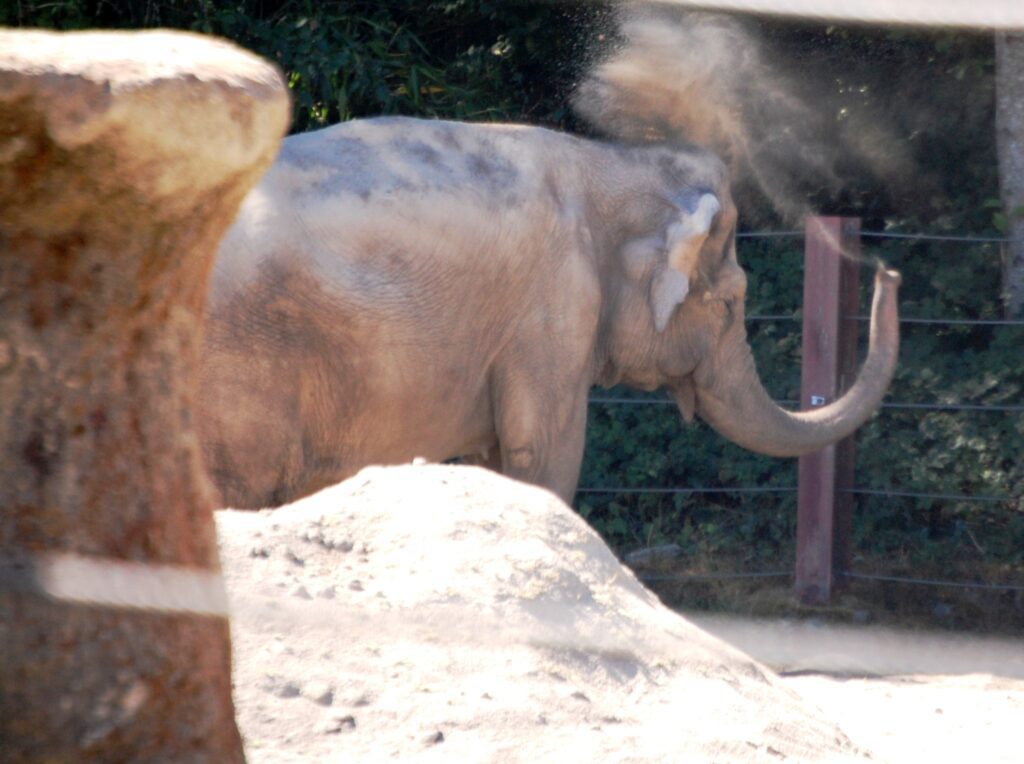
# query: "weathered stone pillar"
{"type": "Point", "coordinates": [123, 158]}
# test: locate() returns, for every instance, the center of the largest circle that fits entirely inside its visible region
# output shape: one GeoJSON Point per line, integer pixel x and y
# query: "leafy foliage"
{"type": "Point", "coordinates": [972, 453]}
{"type": "Point", "coordinates": [461, 59]}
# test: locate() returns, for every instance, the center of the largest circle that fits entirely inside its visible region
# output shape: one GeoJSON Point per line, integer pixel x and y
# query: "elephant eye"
{"type": "Point", "coordinates": [724, 306]}
{"type": "Point", "coordinates": [729, 307]}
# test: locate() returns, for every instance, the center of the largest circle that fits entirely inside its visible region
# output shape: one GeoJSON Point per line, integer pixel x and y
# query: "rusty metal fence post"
{"type": "Point", "coordinates": [824, 502]}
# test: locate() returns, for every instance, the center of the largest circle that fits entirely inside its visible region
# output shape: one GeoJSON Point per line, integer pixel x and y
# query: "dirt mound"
{"type": "Point", "coordinates": [427, 613]}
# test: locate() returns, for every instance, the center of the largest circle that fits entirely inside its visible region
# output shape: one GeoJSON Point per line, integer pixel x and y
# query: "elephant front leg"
{"type": "Point", "coordinates": [541, 436]}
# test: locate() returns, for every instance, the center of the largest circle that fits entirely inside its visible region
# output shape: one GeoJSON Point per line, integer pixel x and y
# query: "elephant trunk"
{"type": "Point", "coordinates": [737, 405]}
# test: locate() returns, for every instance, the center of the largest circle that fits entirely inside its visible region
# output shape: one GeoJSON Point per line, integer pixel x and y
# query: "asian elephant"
{"type": "Point", "coordinates": [397, 288]}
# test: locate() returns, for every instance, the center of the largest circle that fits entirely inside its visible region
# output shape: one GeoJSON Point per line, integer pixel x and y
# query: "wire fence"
{"type": "Point", "coordinates": [958, 407]}
{"type": "Point", "coordinates": [910, 321]}
{"type": "Point", "coordinates": [979, 407]}
{"type": "Point", "coordinates": [683, 577]}
{"type": "Point", "coordinates": [957, 238]}
{"type": "Point", "coordinates": [932, 582]}
{"type": "Point", "coordinates": [762, 574]}
{"type": "Point", "coordinates": [687, 491]}
{"type": "Point", "coordinates": [624, 491]}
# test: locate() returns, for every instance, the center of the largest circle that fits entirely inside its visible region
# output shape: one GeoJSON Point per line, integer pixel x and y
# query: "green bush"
{"type": "Point", "coordinates": [960, 453]}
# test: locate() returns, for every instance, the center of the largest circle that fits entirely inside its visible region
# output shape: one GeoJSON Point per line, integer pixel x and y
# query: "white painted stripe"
{"type": "Point", "coordinates": [995, 14]}
{"type": "Point", "coordinates": [120, 584]}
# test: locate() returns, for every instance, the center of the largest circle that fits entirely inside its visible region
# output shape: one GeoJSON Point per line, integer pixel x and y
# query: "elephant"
{"type": "Point", "coordinates": [398, 288]}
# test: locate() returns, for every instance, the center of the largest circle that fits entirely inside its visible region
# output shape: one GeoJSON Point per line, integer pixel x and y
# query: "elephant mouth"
{"type": "Point", "coordinates": [684, 393]}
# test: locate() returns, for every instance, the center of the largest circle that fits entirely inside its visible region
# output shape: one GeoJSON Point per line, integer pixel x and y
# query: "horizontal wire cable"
{"type": "Point", "coordinates": [932, 582]}
{"type": "Point", "coordinates": [980, 407]}
{"type": "Point", "coordinates": [917, 495]}
{"type": "Point", "coordinates": [793, 489]}
{"type": "Point", "coordinates": [953, 321]}
{"type": "Point", "coordinates": [909, 320]}
{"type": "Point", "coordinates": [770, 234]}
{"type": "Point", "coordinates": [634, 401]}
{"type": "Point", "coordinates": [736, 490]}
{"type": "Point", "coordinates": [716, 576]}
{"type": "Point", "coordinates": [653, 401]}
{"type": "Point", "coordinates": [783, 317]}
{"type": "Point", "coordinates": [842, 574]}
{"type": "Point", "coordinates": [1008, 408]}
{"type": "Point", "coordinates": [960, 238]}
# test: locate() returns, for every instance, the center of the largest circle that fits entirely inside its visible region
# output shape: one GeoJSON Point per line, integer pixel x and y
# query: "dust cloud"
{"type": "Point", "coordinates": [711, 80]}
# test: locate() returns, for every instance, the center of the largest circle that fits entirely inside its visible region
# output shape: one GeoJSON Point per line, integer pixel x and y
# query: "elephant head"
{"type": "Point", "coordinates": [687, 289]}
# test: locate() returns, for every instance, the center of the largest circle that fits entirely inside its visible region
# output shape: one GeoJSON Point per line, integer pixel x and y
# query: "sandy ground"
{"type": "Point", "coordinates": [906, 696]}
{"type": "Point", "coordinates": [447, 614]}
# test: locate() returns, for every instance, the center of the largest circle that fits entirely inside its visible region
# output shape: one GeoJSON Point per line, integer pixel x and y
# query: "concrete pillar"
{"type": "Point", "coordinates": [123, 158]}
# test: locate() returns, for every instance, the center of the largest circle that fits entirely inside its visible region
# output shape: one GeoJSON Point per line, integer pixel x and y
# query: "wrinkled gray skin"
{"type": "Point", "coordinates": [397, 288]}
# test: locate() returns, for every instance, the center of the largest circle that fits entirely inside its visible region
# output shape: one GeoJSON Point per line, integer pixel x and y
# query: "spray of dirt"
{"type": "Point", "coordinates": [680, 76]}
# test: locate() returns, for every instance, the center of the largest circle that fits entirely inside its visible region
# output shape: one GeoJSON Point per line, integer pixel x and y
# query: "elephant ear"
{"type": "Point", "coordinates": [683, 242]}
{"type": "Point", "coordinates": [668, 289]}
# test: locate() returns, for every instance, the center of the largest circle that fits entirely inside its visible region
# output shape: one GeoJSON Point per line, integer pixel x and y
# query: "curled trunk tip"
{"type": "Point", "coordinates": [886, 276]}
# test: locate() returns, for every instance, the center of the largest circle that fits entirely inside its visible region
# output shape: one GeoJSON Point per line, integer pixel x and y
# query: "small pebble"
{"type": "Point", "coordinates": [362, 700]}
{"type": "Point", "coordinates": [281, 689]}
{"type": "Point", "coordinates": [319, 692]}
{"type": "Point", "coordinates": [338, 723]}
